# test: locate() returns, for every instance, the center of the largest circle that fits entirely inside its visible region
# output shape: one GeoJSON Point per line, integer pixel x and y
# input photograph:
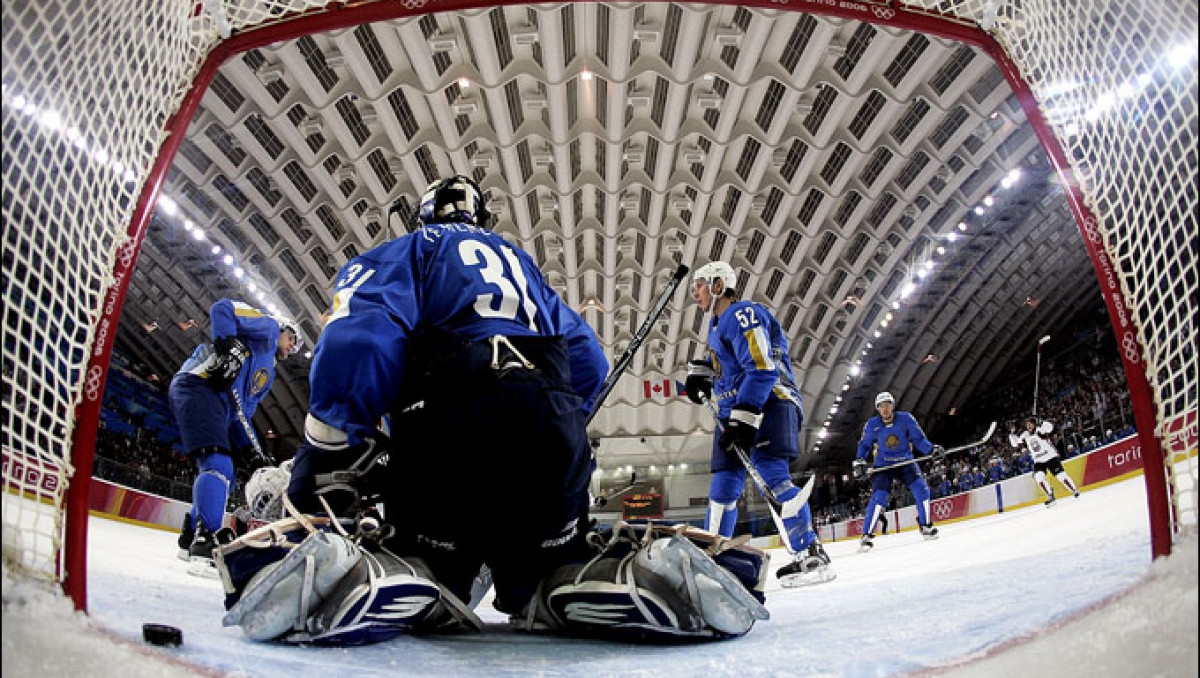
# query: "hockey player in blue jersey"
{"type": "Point", "coordinates": [894, 435]}
{"type": "Point", "coordinates": [488, 377]}
{"type": "Point", "coordinates": [749, 376]}
{"type": "Point", "coordinates": [240, 362]}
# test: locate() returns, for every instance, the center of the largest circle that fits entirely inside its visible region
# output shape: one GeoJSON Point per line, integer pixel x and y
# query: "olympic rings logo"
{"type": "Point", "coordinates": [413, 4]}
{"type": "Point", "coordinates": [1129, 347]}
{"type": "Point", "coordinates": [942, 509]}
{"type": "Point", "coordinates": [885, 13]}
{"type": "Point", "coordinates": [1089, 230]}
{"type": "Point", "coordinates": [91, 387]}
{"type": "Point", "coordinates": [125, 254]}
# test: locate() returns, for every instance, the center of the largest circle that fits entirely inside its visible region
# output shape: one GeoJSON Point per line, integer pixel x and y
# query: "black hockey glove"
{"type": "Point", "coordinates": [699, 383]}
{"type": "Point", "coordinates": [231, 353]}
{"type": "Point", "coordinates": [859, 468]}
{"type": "Point", "coordinates": [741, 429]}
{"type": "Point", "coordinates": [937, 454]}
{"type": "Point", "coordinates": [348, 480]}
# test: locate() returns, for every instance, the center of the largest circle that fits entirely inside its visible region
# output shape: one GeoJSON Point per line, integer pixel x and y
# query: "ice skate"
{"type": "Point", "coordinates": [201, 560]}
{"type": "Point", "coordinates": [1050, 502]}
{"type": "Point", "coordinates": [200, 555]}
{"type": "Point", "coordinates": [867, 543]}
{"type": "Point", "coordinates": [929, 532]}
{"type": "Point", "coordinates": [809, 568]}
{"type": "Point", "coordinates": [187, 534]}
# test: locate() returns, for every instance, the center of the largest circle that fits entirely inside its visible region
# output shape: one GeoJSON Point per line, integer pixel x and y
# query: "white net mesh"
{"type": "Point", "coordinates": [1117, 81]}
{"type": "Point", "coordinates": [89, 87]}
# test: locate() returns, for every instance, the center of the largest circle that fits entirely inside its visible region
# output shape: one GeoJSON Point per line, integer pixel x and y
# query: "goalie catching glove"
{"type": "Point", "coordinates": [345, 479]}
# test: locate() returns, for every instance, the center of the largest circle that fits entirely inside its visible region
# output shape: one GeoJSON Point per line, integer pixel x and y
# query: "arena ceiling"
{"type": "Point", "coordinates": [879, 189]}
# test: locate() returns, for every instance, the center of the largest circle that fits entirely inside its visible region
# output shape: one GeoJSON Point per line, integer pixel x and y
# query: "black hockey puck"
{"type": "Point", "coordinates": [162, 634]}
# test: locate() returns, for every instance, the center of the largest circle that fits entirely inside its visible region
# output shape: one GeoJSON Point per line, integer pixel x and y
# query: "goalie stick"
{"type": "Point", "coordinates": [986, 437]}
{"type": "Point", "coordinates": [636, 342]}
{"type": "Point", "coordinates": [247, 428]}
{"type": "Point", "coordinates": [602, 501]}
{"type": "Point", "coordinates": [773, 504]}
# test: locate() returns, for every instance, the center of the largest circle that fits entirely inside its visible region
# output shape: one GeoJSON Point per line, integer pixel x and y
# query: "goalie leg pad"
{"type": "Point", "coordinates": [655, 584]}
{"type": "Point", "coordinates": [381, 598]}
{"type": "Point", "coordinates": [614, 598]}
{"type": "Point", "coordinates": [720, 598]}
{"type": "Point", "coordinates": [747, 563]}
{"type": "Point", "coordinates": [282, 595]}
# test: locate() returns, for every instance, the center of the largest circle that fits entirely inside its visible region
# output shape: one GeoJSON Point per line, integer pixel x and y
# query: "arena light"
{"type": "Point", "coordinates": [50, 119]}
{"type": "Point", "coordinates": [1181, 55]}
{"type": "Point", "coordinates": [165, 203]}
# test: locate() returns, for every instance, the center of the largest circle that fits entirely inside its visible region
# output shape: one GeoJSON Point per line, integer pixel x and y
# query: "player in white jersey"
{"type": "Point", "coordinates": [1045, 457]}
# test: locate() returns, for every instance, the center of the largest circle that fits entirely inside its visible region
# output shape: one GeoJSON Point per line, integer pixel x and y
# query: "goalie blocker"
{"type": "Point", "coordinates": [311, 581]}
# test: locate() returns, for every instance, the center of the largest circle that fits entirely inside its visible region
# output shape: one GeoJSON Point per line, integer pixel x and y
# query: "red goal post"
{"type": "Point", "coordinates": [97, 99]}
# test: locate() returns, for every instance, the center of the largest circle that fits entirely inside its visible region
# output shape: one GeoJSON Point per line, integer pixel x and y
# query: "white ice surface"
{"type": "Point", "coordinates": [1065, 591]}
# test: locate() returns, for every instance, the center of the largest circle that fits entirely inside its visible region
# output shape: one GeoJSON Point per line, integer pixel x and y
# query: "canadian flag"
{"type": "Point", "coordinates": [657, 388]}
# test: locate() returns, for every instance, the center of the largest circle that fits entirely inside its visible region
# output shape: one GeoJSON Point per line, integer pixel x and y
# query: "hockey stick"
{"type": "Point", "coordinates": [986, 437]}
{"type": "Point", "coordinates": [627, 357]}
{"type": "Point", "coordinates": [247, 428]}
{"type": "Point", "coordinates": [773, 504]}
{"type": "Point", "coordinates": [603, 501]}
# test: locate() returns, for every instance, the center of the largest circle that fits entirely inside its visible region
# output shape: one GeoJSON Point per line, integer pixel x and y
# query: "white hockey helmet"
{"type": "Point", "coordinates": [265, 490]}
{"type": "Point", "coordinates": [884, 397]}
{"type": "Point", "coordinates": [716, 270]}
{"type": "Point", "coordinates": [288, 325]}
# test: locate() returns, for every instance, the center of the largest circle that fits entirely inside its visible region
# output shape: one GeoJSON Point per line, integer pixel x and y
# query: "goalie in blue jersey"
{"type": "Point", "coordinates": [486, 377]}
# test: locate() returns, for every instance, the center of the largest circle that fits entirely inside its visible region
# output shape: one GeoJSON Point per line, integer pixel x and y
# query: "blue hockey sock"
{"type": "Point", "coordinates": [211, 489]}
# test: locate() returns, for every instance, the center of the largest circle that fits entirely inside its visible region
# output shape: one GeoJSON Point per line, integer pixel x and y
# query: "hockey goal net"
{"type": "Point", "coordinates": [97, 95]}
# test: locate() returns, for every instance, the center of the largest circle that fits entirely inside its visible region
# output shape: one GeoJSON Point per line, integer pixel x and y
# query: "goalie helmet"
{"type": "Point", "coordinates": [457, 200]}
{"type": "Point", "coordinates": [716, 270]}
{"type": "Point", "coordinates": [884, 397]}
{"type": "Point", "coordinates": [265, 490]}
